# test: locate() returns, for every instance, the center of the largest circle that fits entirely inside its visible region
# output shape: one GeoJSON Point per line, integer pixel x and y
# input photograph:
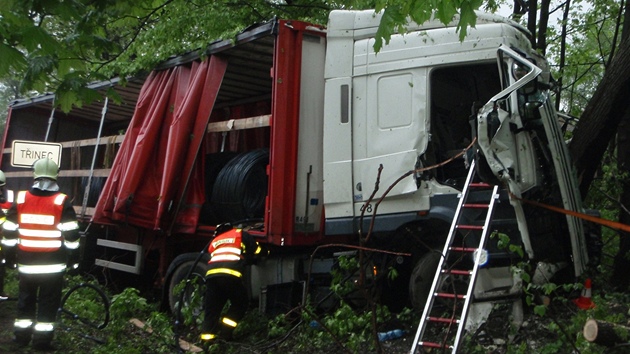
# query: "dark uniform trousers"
{"type": "Point", "coordinates": [220, 289]}
{"type": "Point", "coordinates": [43, 311]}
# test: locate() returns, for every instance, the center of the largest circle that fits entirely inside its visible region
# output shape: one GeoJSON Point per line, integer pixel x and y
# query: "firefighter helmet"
{"type": "Point", "coordinates": [222, 228]}
{"type": "Point", "coordinates": [3, 179]}
{"type": "Point", "coordinates": [45, 168]}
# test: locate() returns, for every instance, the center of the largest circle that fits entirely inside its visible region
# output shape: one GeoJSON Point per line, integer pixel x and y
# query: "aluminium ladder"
{"type": "Point", "coordinates": [455, 262]}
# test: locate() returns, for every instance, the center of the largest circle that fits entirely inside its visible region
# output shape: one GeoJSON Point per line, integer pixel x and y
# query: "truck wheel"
{"type": "Point", "coordinates": [422, 278]}
{"type": "Point", "coordinates": [178, 271]}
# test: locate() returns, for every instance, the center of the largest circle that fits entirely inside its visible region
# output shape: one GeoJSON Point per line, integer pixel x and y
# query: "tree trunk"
{"type": "Point", "coordinates": [518, 9]}
{"type": "Point", "coordinates": [603, 333]}
{"type": "Point", "coordinates": [563, 50]}
{"type": "Point", "coordinates": [532, 12]}
{"type": "Point", "coordinates": [621, 263]}
{"type": "Point", "coordinates": [602, 115]}
{"type": "Point", "coordinates": [543, 22]}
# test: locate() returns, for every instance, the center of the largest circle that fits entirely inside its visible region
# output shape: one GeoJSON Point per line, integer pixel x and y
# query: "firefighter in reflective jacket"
{"type": "Point", "coordinates": [229, 253]}
{"type": "Point", "coordinates": [6, 199]}
{"type": "Point", "coordinates": [6, 196]}
{"type": "Point", "coordinates": [42, 233]}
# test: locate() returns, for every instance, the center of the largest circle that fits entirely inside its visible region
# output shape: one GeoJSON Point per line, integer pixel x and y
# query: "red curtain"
{"type": "Point", "coordinates": [156, 180]}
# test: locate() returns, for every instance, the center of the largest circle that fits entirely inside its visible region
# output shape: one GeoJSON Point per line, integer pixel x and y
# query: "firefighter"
{"type": "Point", "coordinates": [42, 231]}
{"type": "Point", "coordinates": [6, 196]}
{"type": "Point", "coordinates": [230, 252]}
{"type": "Point", "coordinates": [6, 199]}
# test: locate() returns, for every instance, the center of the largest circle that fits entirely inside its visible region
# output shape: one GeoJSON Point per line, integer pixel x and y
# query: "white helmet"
{"type": "Point", "coordinates": [3, 179]}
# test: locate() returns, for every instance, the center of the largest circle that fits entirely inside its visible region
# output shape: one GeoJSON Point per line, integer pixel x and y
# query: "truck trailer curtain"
{"type": "Point", "coordinates": [156, 180]}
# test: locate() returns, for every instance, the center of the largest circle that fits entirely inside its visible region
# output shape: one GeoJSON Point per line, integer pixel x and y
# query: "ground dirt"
{"type": "Point", "coordinates": [7, 315]}
{"type": "Point", "coordinates": [494, 336]}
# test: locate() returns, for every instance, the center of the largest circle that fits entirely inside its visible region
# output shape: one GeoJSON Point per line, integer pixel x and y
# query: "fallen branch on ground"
{"type": "Point", "coordinates": [184, 345]}
{"type": "Point", "coordinates": [603, 333]}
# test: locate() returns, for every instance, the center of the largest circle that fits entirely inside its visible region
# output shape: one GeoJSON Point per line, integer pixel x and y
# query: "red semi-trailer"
{"type": "Point", "coordinates": [282, 131]}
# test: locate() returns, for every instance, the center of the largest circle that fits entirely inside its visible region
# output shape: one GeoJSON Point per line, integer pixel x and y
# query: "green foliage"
{"type": "Point", "coordinates": [11, 58]}
{"type": "Point", "coordinates": [559, 322]}
{"type": "Point", "coordinates": [392, 273]}
{"type": "Point", "coordinates": [591, 29]}
{"type": "Point", "coordinates": [344, 329]}
{"type": "Point", "coordinates": [192, 293]}
{"type": "Point", "coordinates": [55, 45]}
{"type": "Point", "coordinates": [396, 13]}
{"type": "Point", "coordinates": [353, 328]}
{"type": "Point", "coordinates": [348, 267]}
{"type": "Point", "coordinates": [124, 337]}
{"type": "Point", "coordinates": [504, 242]}
{"type": "Point", "coordinates": [603, 196]}
{"type": "Point", "coordinates": [161, 327]}
{"type": "Point", "coordinates": [11, 283]}
{"type": "Point", "coordinates": [62, 45]}
{"type": "Point", "coordinates": [90, 311]}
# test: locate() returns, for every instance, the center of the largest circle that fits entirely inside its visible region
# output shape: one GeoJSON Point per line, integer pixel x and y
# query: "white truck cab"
{"type": "Point", "coordinates": [423, 99]}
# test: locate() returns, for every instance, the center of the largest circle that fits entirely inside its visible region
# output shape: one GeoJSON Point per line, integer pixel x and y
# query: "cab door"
{"type": "Point", "coordinates": [503, 139]}
{"type": "Point", "coordinates": [520, 142]}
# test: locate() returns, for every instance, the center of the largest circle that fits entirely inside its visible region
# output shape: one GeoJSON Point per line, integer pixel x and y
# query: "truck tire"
{"type": "Point", "coordinates": [178, 271]}
{"type": "Point", "coordinates": [422, 278]}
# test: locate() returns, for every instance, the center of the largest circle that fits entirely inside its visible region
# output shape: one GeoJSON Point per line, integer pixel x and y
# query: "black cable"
{"type": "Point", "coordinates": [73, 316]}
{"type": "Point", "coordinates": [104, 299]}
{"type": "Point", "coordinates": [240, 189]}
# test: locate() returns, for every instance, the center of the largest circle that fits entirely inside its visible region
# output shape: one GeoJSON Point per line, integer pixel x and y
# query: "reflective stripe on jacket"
{"type": "Point", "coordinates": [7, 202]}
{"type": "Point", "coordinates": [226, 254]}
{"type": "Point", "coordinates": [39, 220]}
